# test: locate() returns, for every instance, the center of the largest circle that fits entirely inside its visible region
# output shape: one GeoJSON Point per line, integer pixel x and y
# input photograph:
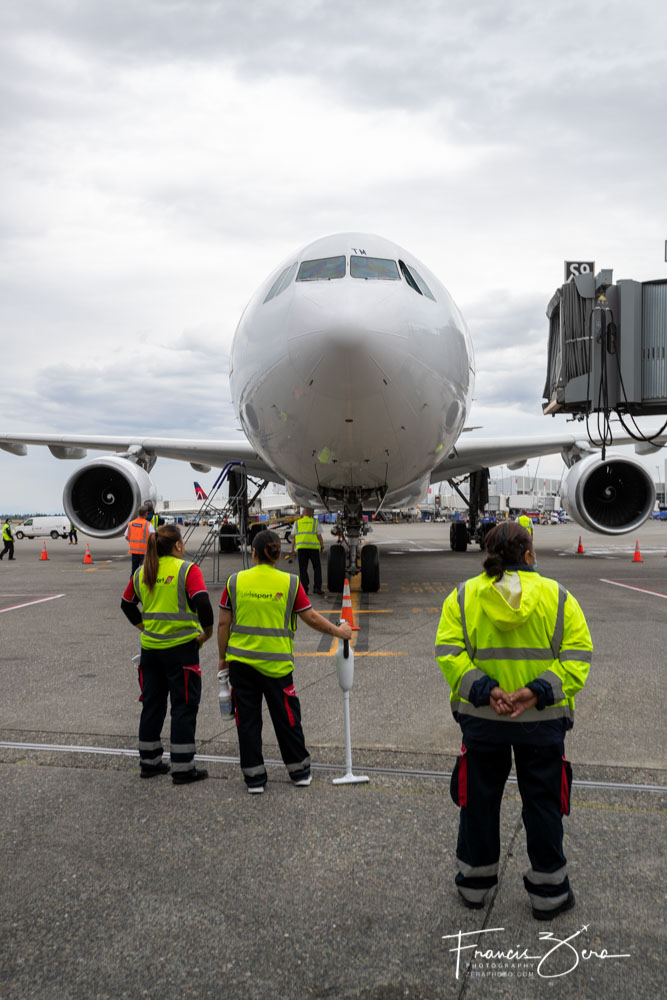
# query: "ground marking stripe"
{"type": "Point", "coordinates": [628, 586]}
{"type": "Point", "coordinates": [408, 772]}
{"type": "Point", "coordinates": [39, 600]}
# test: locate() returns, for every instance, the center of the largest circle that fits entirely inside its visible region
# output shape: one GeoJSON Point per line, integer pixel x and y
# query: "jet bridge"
{"type": "Point", "coordinates": [607, 347]}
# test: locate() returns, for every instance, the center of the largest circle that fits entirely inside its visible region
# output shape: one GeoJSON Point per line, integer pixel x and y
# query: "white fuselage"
{"type": "Point", "coordinates": [352, 386]}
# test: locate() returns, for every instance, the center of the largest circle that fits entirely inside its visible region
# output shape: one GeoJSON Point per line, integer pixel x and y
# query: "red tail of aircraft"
{"type": "Point", "coordinates": [200, 493]}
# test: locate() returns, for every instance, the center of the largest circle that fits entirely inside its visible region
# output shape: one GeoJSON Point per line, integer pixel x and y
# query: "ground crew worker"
{"type": "Point", "coordinates": [525, 522]}
{"type": "Point", "coordinates": [73, 536]}
{"type": "Point", "coordinates": [175, 620]}
{"type": "Point", "coordinates": [515, 649]}
{"type": "Point", "coordinates": [8, 540]}
{"type": "Point", "coordinates": [151, 516]}
{"type": "Point", "coordinates": [258, 610]}
{"type": "Point", "coordinates": [308, 544]}
{"type": "Point", "coordinates": [137, 533]}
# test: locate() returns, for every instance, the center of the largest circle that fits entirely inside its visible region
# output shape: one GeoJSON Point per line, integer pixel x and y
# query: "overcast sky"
{"type": "Point", "coordinates": [160, 157]}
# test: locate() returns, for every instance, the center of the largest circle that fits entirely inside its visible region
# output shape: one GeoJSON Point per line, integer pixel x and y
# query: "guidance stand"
{"type": "Point", "coordinates": [345, 671]}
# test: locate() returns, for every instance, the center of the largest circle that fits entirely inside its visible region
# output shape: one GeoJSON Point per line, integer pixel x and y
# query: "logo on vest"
{"type": "Point", "coordinates": [278, 596]}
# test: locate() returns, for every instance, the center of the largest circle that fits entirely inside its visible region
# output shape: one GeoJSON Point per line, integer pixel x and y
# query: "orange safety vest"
{"type": "Point", "coordinates": [137, 535]}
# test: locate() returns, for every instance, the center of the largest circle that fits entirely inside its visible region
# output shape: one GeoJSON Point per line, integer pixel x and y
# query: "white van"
{"type": "Point", "coordinates": [40, 527]}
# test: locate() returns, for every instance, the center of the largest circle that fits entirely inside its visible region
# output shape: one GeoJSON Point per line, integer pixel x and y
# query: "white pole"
{"type": "Point", "coordinates": [345, 671]}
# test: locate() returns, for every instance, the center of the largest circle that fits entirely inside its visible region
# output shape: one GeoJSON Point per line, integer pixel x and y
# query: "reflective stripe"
{"type": "Point", "coordinates": [473, 895]}
{"type": "Point", "coordinates": [486, 712]}
{"type": "Point", "coordinates": [150, 745]}
{"type": "Point", "coordinates": [514, 653]}
{"type": "Point", "coordinates": [556, 684]}
{"type": "Point", "coordinates": [546, 878]}
{"type": "Point", "coordinates": [254, 772]}
{"type": "Point", "coordinates": [298, 767]}
{"type": "Point", "coordinates": [168, 636]}
{"type": "Point", "coordinates": [557, 637]}
{"type": "Point", "coordinates": [581, 655]}
{"type": "Point", "coordinates": [254, 654]}
{"type": "Point", "coordinates": [183, 747]}
{"type": "Point", "coordinates": [479, 871]}
{"type": "Point", "coordinates": [461, 594]}
{"type": "Point", "coordinates": [468, 680]}
{"type": "Point", "coordinates": [546, 902]}
{"type": "Point", "coordinates": [181, 765]}
{"type": "Point", "coordinates": [449, 650]}
{"type": "Point", "coordinates": [257, 630]}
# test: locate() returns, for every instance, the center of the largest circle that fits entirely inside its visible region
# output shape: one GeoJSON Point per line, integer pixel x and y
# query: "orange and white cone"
{"type": "Point", "coordinates": [346, 611]}
{"type": "Point", "coordinates": [580, 547]}
{"type": "Point", "coordinates": [87, 557]}
{"type": "Point", "coordinates": [637, 557]}
{"type": "Point", "coordinates": [44, 554]}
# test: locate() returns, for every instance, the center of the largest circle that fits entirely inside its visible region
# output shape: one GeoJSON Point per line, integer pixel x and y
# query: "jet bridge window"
{"type": "Point", "coordinates": [415, 280]}
{"type": "Point", "coordinates": [374, 267]}
{"type": "Point", "coordinates": [323, 269]}
{"type": "Point", "coordinates": [281, 282]}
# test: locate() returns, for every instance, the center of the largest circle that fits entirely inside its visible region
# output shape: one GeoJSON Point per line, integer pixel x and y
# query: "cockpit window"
{"type": "Point", "coordinates": [281, 282]}
{"type": "Point", "coordinates": [374, 267]}
{"type": "Point", "coordinates": [322, 270]}
{"type": "Point", "coordinates": [415, 280]}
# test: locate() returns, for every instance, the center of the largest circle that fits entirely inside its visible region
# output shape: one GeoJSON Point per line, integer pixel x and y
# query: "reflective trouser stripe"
{"type": "Point", "coordinates": [546, 878]}
{"type": "Point", "coordinates": [150, 752]}
{"type": "Point", "coordinates": [182, 756]}
{"type": "Point", "coordinates": [305, 763]}
{"type": "Point", "coordinates": [547, 902]}
{"type": "Point", "coordinates": [254, 772]}
{"type": "Point", "coordinates": [473, 895]}
{"type": "Point", "coordinates": [477, 871]}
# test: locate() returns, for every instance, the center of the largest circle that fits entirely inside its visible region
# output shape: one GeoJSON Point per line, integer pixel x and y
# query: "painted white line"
{"type": "Point", "coordinates": [641, 590]}
{"type": "Point", "coordinates": [38, 600]}
{"type": "Point", "coordinates": [403, 772]}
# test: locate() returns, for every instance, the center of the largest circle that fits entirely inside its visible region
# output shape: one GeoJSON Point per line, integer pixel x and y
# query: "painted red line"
{"type": "Point", "coordinates": [641, 590]}
{"type": "Point", "coordinates": [38, 600]}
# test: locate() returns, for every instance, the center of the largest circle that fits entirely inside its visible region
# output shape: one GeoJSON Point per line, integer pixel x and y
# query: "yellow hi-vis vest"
{"type": "Point", "coordinates": [168, 621]}
{"type": "Point", "coordinates": [6, 532]}
{"type": "Point", "coordinates": [263, 619]}
{"type": "Point", "coordinates": [305, 533]}
{"type": "Point", "coordinates": [525, 522]}
{"type": "Point", "coordinates": [545, 638]}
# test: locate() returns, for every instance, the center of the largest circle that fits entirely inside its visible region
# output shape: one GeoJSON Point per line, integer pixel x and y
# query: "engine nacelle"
{"type": "Point", "coordinates": [104, 493]}
{"type": "Point", "coordinates": [611, 496]}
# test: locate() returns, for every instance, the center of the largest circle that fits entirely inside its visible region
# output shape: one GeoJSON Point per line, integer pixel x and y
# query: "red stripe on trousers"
{"type": "Point", "coordinates": [463, 777]}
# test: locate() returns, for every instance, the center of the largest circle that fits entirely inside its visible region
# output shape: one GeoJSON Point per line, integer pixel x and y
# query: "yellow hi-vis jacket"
{"type": "Point", "coordinates": [6, 532]}
{"type": "Point", "coordinates": [525, 522]}
{"type": "Point", "coordinates": [305, 533]}
{"type": "Point", "coordinates": [263, 619]}
{"type": "Point", "coordinates": [168, 621]}
{"type": "Point", "coordinates": [545, 639]}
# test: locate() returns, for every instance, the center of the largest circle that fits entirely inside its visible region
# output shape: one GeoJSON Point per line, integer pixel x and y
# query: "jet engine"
{"type": "Point", "coordinates": [103, 495]}
{"type": "Point", "coordinates": [611, 496]}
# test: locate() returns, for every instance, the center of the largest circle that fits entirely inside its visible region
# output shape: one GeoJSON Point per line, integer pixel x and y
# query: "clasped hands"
{"type": "Point", "coordinates": [504, 703]}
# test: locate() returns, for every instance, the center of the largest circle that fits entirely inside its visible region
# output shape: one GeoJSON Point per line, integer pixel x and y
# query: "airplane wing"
{"type": "Point", "coordinates": [202, 455]}
{"type": "Point", "coordinates": [471, 454]}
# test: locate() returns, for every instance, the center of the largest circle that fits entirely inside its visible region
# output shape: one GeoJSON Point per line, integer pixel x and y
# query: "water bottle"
{"type": "Point", "coordinates": [225, 695]}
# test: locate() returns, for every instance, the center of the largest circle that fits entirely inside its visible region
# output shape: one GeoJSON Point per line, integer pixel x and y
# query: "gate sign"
{"type": "Point", "coordinates": [574, 267]}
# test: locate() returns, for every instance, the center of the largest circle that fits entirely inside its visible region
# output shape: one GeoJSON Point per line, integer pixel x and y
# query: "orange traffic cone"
{"type": "Point", "coordinates": [346, 610]}
{"type": "Point", "coordinates": [637, 557]}
{"type": "Point", "coordinates": [87, 557]}
{"type": "Point", "coordinates": [580, 547]}
{"type": "Point", "coordinates": [44, 553]}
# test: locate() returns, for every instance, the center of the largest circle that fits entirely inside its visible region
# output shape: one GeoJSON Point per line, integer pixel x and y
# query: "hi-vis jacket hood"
{"type": "Point", "coordinates": [497, 601]}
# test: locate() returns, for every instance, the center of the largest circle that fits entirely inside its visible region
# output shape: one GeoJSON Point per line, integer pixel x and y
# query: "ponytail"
{"type": "Point", "coordinates": [506, 545]}
{"type": "Point", "coordinates": [160, 543]}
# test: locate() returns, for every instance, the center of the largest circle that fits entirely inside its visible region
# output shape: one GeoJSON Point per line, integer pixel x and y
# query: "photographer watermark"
{"type": "Point", "coordinates": [493, 958]}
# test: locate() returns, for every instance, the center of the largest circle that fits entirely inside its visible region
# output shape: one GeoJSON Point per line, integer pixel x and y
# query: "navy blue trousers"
{"type": "Point", "coordinates": [169, 675]}
{"type": "Point", "coordinates": [305, 556]}
{"type": "Point", "coordinates": [544, 778]}
{"type": "Point", "coordinates": [249, 687]}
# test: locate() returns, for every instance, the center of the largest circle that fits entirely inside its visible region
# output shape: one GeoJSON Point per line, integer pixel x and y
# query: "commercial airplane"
{"type": "Point", "coordinates": [352, 374]}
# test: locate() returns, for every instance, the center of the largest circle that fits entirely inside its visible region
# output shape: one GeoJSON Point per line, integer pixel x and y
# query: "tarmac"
{"type": "Point", "coordinates": [118, 888]}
